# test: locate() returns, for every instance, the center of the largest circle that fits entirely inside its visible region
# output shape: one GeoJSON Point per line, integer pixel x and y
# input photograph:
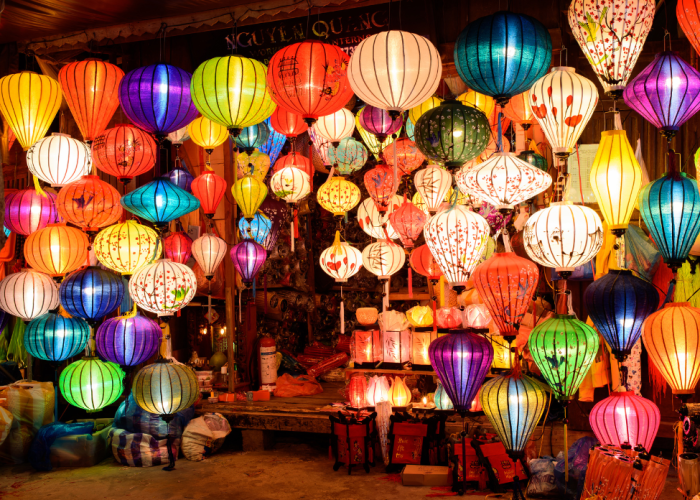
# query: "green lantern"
{"type": "Point", "coordinates": [534, 159]}
{"type": "Point", "coordinates": [452, 134]}
{"type": "Point", "coordinates": [563, 349]}
{"type": "Point", "coordinates": [91, 384]}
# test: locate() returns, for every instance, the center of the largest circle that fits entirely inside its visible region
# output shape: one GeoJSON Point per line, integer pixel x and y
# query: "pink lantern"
{"type": "Point", "coordinates": [448, 318]}
{"type": "Point", "coordinates": [377, 390]}
{"type": "Point", "coordinates": [27, 211]}
{"type": "Point", "coordinates": [379, 182]}
{"type": "Point", "coordinates": [625, 420]}
{"type": "Point", "coordinates": [178, 247]}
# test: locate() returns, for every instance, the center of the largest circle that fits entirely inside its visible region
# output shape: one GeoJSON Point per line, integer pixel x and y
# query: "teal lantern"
{"type": "Point", "coordinates": [442, 399]}
{"type": "Point", "coordinates": [534, 159]}
{"type": "Point", "coordinates": [91, 384]}
{"type": "Point", "coordinates": [253, 137]}
{"type": "Point", "coordinates": [258, 229]}
{"type": "Point", "coordinates": [348, 157]}
{"type": "Point", "coordinates": [54, 338]}
{"type": "Point", "coordinates": [160, 201]}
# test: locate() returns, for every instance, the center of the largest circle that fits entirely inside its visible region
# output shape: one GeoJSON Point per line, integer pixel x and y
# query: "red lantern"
{"type": "Point", "coordinates": [380, 185]}
{"type": "Point", "coordinates": [357, 389]}
{"type": "Point", "coordinates": [288, 124]}
{"type": "Point", "coordinates": [295, 160]}
{"type": "Point", "coordinates": [209, 189]}
{"type": "Point", "coordinates": [506, 284]}
{"type": "Point", "coordinates": [408, 156]}
{"type": "Point", "coordinates": [89, 203]}
{"type": "Point", "coordinates": [310, 79]}
{"type": "Point", "coordinates": [408, 221]}
{"type": "Point", "coordinates": [178, 247]}
{"type": "Point", "coordinates": [423, 262]}
{"type": "Point", "coordinates": [625, 420]}
{"type": "Point", "coordinates": [124, 152]}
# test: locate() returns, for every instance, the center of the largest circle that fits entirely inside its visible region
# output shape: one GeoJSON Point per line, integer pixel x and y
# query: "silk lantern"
{"type": "Point", "coordinates": [423, 262]}
{"type": "Point", "coordinates": [126, 247]}
{"type": "Point", "coordinates": [534, 159]}
{"type": "Point", "coordinates": [29, 102]}
{"type": "Point", "coordinates": [178, 137]}
{"type": "Point", "coordinates": [261, 229]}
{"type": "Point", "coordinates": [274, 144]}
{"type": "Point", "coordinates": [295, 160]}
{"type": "Point", "coordinates": [321, 148]}
{"type": "Point", "coordinates": [91, 384]}
{"type": "Point", "coordinates": [290, 184]}
{"type": "Point", "coordinates": [90, 88]}
{"type": "Point", "coordinates": [160, 201]}
{"type": "Point", "coordinates": [611, 36]}
{"type": "Point", "coordinates": [232, 91]}
{"type": "Point", "coordinates": [128, 340]}
{"type": "Point", "coordinates": [618, 303]}
{"type": "Point", "coordinates": [399, 394]}
{"type": "Point", "coordinates": [383, 258]}
{"type": "Point", "coordinates": [163, 287]}
{"type": "Point", "coordinates": [336, 126]}
{"type": "Point", "coordinates": [256, 164]}
{"type": "Point", "coordinates": [408, 156]}
{"type": "Point", "coordinates": [248, 258]}
{"type": "Point", "coordinates": [433, 183]}
{"type": "Point", "coordinates": [374, 145]}
{"type": "Point", "coordinates": [253, 137]}
{"type": "Point", "coordinates": [357, 389]}
{"type": "Point", "coordinates": [165, 388]}
{"type": "Point", "coordinates": [59, 159]}
{"type": "Point", "coordinates": [688, 20]}
{"type": "Point", "coordinates": [56, 250]}
{"type": "Point", "coordinates": [379, 183]}
{"type": "Point", "coordinates": [503, 54]}
{"type": "Point", "coordinates": [124, 152]}
{"type": "Point", "coordinates": [249, 192]}
{"type": "Point", "coordinates": [625, 420]}
{"type": "Point", "coordinates": [377, 390]}
{"type": "Point", "coordinates": [55, 338]}
{"type": "Point", "coordinates": [309, 78]}
{"type": "Point", "coordinates": [27, 211]}
{"type": "Point", "coordinates": [408, 221]}
{"type": "Point", "coordinates": [395, 70]}
{"type": "Point", "coordinates": [417, 111]}
{"type": "Point", "coordinates": [209, 251]}
{"type": "Point", "coordinates": [207, 134]}
{"type": "Point", "coordinates": [348, 157]}
{"type": "Point", "coordinates": [177, 247]}
{"type": "Point", "coordinates": [90, 203]}
{"type": "Point", "coordinates": [338, 195]}
{"type": "Point", "coordinates": [288, 124]}
{"type": "Point", "coordinates": [373, 222]}
{"type": "Point", "coordinates": [519, 111]}
{"type": "Point", "coordinates": [91, 293]}
{"type": "Point", "coordinates": [209, 189]}
{"type": "Point", "coordinates": [474, 99]}
{"type": "Point", "coordinates": [180, 178]}
{"type": "Point", "coordinates": [379, 122]}
{"type": "Point", "coordinates": [340, 261]}
{"type": "Point", "coordinates": [442, 399]}
{"type": "Point", "coordinates": [27, 294]}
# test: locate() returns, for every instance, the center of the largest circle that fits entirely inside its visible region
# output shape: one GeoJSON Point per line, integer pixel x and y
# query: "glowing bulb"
{"type": "Point", "coordinates": [510, 51]}
{"type": "Point", "coordinates": [457, 133]}
{"type": "Point", "coordinates": [425, 401]}
{"type": "Point", "coordinates": [673, 82]}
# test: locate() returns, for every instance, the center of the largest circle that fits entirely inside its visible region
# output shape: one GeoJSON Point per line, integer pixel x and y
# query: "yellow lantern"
{"type": "Point", "coordinates": [482, 102]}
{"type": "Point", "coordinates": [338, 195]}
{"type": "Point", "coordinates": [249, 193]}
{"type": "Point", "coordinates": [616, 179]}
{"type": "Point", "coordinates": [29, 102]}
{"type": "Point", "coordinates": [56, 249]}
{"type": "Point", "coordinates": [126, 247]}
{"type": "Point", "coordinates": [207, 134]}
{"type": "Point", "coordinates": [417, 111]}
{"type": "Point", "coordinates": [255, 163]}
{"type": "Point", "coordinates": [399, 395]}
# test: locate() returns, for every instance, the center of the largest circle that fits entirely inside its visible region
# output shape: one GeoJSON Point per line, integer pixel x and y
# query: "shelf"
{"type": "Point", "coordinates": [350, 371]}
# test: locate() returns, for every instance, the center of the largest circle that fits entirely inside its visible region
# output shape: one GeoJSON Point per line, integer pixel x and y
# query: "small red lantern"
{"type": "Point", "coordinates": [295, 160]}
{"type": "Point", "coordinates": [448, 318]}
{"type": "Point", "coordinates": [288, 124]}
{"type": "Point", "coordinates": [408, 156]}
{"type": "Point", "coordinates": [625, 420]}
{"type": "Point", "coordinates": [89, 203]}
{"type": "Point", "coordinates": [380, 185]}
{"type": "Point", "coordinates": [124, 152]}
{"type": "Point", "coordinates": [209, 189]}
{"type": "Point", "coordinates": [357, 389]}
{"type": "Point", "coordinates": [408, 221]}
{"type": "Point", "coordinates": [423, 262]}
{"type": "Point", "coordinates": [178, 247]}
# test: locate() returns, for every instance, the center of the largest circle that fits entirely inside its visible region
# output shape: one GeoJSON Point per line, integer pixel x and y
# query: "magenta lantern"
{"type": "Point", "coordinates": [378, 122]}
{"type": "Point", "coordinates": [27, 211]}
{"type": "Point", "coordinates": [248, 258]}
{"type": "Point", "coordinates": [625, 420]}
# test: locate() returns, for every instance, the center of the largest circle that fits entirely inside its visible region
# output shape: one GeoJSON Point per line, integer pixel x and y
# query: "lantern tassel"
{"type": "Point", "coordinates": [441, 284]}
{"type": "Point", "coordinates": [254, 280]}
{"type": "Point", "coordinates": [265, 291]}
{"type": "Point", "coordinates": [434, 316]}
{"type": "Point", "coordinates": [240, 313]}
{"type": "Point", "coordinates": [291, 233]}
{"type": "Point", "coordinates": [410, 283]}
{"type": "Point", "coordinates": [209, 308]}
{"type": "Point", "coordinates": [342, 313]}
{"type": "Point", "coordinates": [499, 139]}
{"type": "Point", "coordinates": [670, 292]}
{"type": "Point", "coordinates": [37, 188]}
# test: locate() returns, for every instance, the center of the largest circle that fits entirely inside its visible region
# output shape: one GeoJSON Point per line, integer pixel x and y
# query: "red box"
{"type": "Point", "coordinates": [408, 443]}
{"type": "Point", "coordinates": [475, 470]}
{"type": "Point", "coordinates": [501, 464]}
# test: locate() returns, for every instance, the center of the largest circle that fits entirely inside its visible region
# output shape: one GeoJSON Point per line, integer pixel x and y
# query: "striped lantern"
{"type": "Point", "coordinates": [27, 294]}
{"type": "Point", "coordinates": [55, 338]}
{"type": "Point", "coordinates": [91, 294]}
{"type": "Point", "coordinates": [373, 222]}
{"type": "Point", "coordinates": [340, 261]}
{"type": "Point", "coordinates": [57, 249]}
{"type": "Point", "coordinates": [59, 159]}
{"type": "Point", "coordinates": [127, 246]}
{"type": "Point", "coordinates": [177, 247]}
{"type": "Point", "coordinates": [124, 151]}
{"type": "Point", "coordinates": [336, 126]}
{"type": "Point", "coordinates": [383, 258]}
{"type": "Point", "coordinates": [90, 203]}
{"type": "Point", "coordinates": [209, 251]}
{"type": "Point", "coordinates": [433, 183]}
{"type": "Point", "coordinates": [27, 211]}
{"type": "Point", "coordinates": [128, 340]}
{"type": "Point", "coordinates": [625, 420]}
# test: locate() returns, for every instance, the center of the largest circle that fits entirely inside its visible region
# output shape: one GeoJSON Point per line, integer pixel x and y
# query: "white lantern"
{"type": "Point", "coordinates": [372, 220]}
{"type": "Point", "coordinates": [383, 258]}
{"type": "Point", "coordinates": [27, 294]}
{"type": "Point", "coordinates": [179, 136]}
{"type": "Point", "coordinates": [291, 184]}
{"type": "Point", "coordinates": [163, 287]}
{"type": "Point", "coordinates": [563, 103]}
{"type": "Point", "coordinates": [335, 127]}
{"type": "Point", "coordinates": [340, 260]}
{"type": "Point", "coordinates": [563, 236]}
{"type": "Point", "coordinates": [504, 180]}
{"type": "Point", "coordinates": [433, 183]}
{"type": "Point", "coordinates": [209, 250]}
{"type": "Point", "coordinates": [321, 145]}
{"type": "Point", "coordinates": [395, 70]}
{"type": "Point", "coordinates": [59, 159]}
{"type": "Point", "coordinates": [457, 238]}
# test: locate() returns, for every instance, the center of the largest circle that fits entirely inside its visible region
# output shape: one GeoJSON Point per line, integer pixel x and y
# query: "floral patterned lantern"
{"type": "Point", "coordinates": [290, 184]}
{"type": "Point", "coordinates": [408, 221]}
{"type": "Point", "coordinates": [127, 246]}
{"type": "Point", "coordinates": [27, 211]}
{"type": "Point", "coordinates": [163, 287]}
{"type": "Point", "coordinates": [408, 156]}
{"type": "Point", "coordinates": [59, 159]}
{"type": "Point", "coordinates": [209, 189]}
{"type": "Point", "coordinates": [433, 184]}
{"type": "Point", "coordinates": [379, 122]}
{"type": "Point", "coordinates": [91, 294]}
{"type": "Point", "coordinates": [248, 258]}
{"type": "Point", "coordinates": [56, 250]}
{"type": "Point", "coordinates": [27, 294]}
{"type": "Point", "coordinates": [322, 146]}
{"type": "Point", "coordinates": [178, 247]}
{"type": "Point", "coordinates": [209, 251]}
{"type": "Point", "coordinates": [383, 258]}
{"type": "Point", "coordinates": [338, 196]}
{"type": "Point", "coordinates": [288, 124]}
{"type": "Point", "coordinates": [348, 157]}
{"type": "Point", "coordinates": [160, 201]}
{"type": "Point", "coordinates": [373, 222]}
{"type": "Point", "coordinates": [295, 160]}
{"type": "Point", "coordinates": [89, 203]}
{"type": "Point", "coordinates": [341, 261]}
{"type": "Point", "coordinates": [336, 126]}
{"type": "Point", "coordinates": [256, 164]}
{"type": "Point", "coordinates": [124, 151]}
{"type": "Point", "coordinates": [379, 183]}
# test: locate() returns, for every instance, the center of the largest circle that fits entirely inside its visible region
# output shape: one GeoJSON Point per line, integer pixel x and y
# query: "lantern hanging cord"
{"type": "Point", "coordinates": [563, 53]}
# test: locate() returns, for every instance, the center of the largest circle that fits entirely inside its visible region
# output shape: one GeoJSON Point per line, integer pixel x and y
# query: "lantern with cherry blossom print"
{"type": "Point", "coordinates": [290, 184]}
{"type": "Point", "coordinates": [357, 390]}
{"type": "Point", "coordinates": [379, 122]}
{"type": "Point", "coordinates": [59, 159]}
{"type": "Point", "coordinates": [338, 195]}
{"type": "Point", "coordinates": [127, 246]}
{"type": "Point", "coordinates": [256, 164]}
{"type": "Point", "coordinates": [408, 156]}
{"type": "Point", "coordinates": [373, 222]}
{"type": "Point", "coordinates": [163, 287]}
{"type": "Point", "coordinates": [349, 156]}
{"type": "Point", "coordinates": [27, 211]}
{"type": "Point", "coordinates": [248, 258]}
{"type": "Point", "coordinates": [340, 260]}
{"type": "Point", "coordinates": [625, 420]}
{"type": "Point", "coordinates": [383, 258]}
{"type": "Point", "coordinates": [379, 182]}
{"type": "Point", "coordinates": [336, 126]}
{"type": "Point", "coordinates": [295, 160]}
{"type": "Point", "coordinates": [27, 294]}
{"type": "Point", "coordinates": [288, 124]}
{"type": "Point", "coordinates": [563, 103]}
{"type": "Point", "coordinates": [90, 203]}
{"type": "Point", "coordinates": [209, 189]}
{"type": "Point", "coordinates": [408, 221]}
{"type": "Point", "coordinates": [124, 151]}
{"type": "Point", "coordinates": [209, 251]}
{"type": "Point", "coordinates": [309, 78]}
{"type": "Point", "coordinates": [178, 247]}
{"type": "Point", "coordinates": [433, 184]}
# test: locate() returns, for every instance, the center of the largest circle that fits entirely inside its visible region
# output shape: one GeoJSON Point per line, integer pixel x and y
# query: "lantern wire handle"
{"type": "Point", "coordinates": [564, 53]}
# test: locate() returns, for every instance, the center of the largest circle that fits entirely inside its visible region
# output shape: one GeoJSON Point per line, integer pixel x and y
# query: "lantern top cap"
{"type": "Point", "coordinates": [59, 134]}
{"type": "Point", "coordinates": [163, 260]}
{"type": "Point", "coordinates": [564, 316]}
{"type": "Point", "coordinates": [26, 72]}
{"type": "Point", "coordinates": [678, 304]}
{"type": "Point", "coordinates": [563, 68]}
{"type": "Point", "coordinates": [561, 203]}
{"type": "Point", "coordinates": [607, 133]}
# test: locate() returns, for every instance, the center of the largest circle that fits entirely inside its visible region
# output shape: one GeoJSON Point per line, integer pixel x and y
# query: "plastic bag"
{"type": "Point", "coordinates": [132, 418]}
{"type": "Point", "coordinates": [541, 483]}
{"type": "Point", "coordinates": [204, 435]}
{"type": "Point", "coordinates": [40, 451]}
{"type": "Point", "coordinates": [578, 464]}
{"type": "Point", "coordinates": [140, 450]}
{"type": "Point", "coordinates": [641, 255]}
{"type": "Point", "coordinates": [4, 344]}
{"type": "Point", "coordinates": [16, 351]}
{"type": "Point", "coordinates": [289, 387]}
{"type": "Point", "coordinates": [31, 405]}
{"type": "Point", "coordinates": [83, 450]}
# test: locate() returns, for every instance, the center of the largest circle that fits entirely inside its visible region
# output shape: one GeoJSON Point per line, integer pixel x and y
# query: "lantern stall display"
{"type": "Point", "coordinates": [433, 183]}
{"type": "Point", "coordinates": [27, 294]}
{"type": "Point", "coordinates": [399, 394]}
{"type": "Point", "coordinates": [177, 247]}
{"type": "Point", "coordinates": [348, 156]}
{"type": "Point", "coordinates": [335, 126]}
{"type": "Point", "coordinates": [377, 391]}
{"type": "Point", "coordinates": [209, 189]}
{"type": "Point", "coordinates": [396, 339]}
{"type": "Point", "coordinates": [163, 287]}
{"type": "Point", "coordinates": [91, 384]}
{"type": "Point", "coordinates": [126, 247]}
{"type": "Point", "coordinates": [209, 251]}
{"type": "Point", "coordinates": [55, 338]}
{"type": "Point", "coordinates": [625, 420]}
{"type": "Point", "coordinates": [338, 196]}
{"type": "Point", "coordinates": [340, 261]}
{"type": "Point", "coordinates": [90, 203]}
{"type": "Point", "coordinates": [26, 211]}
{"type": "Point", "coordinates": [357, 391]}
{"type": "Point", "coordinates": [159, 202]}
{"type": "Point", "coordinates": [125, 152]}
{"type": "Point", "coordinates": [91, 294]}
{"type": "Point", "coordinates": [56, 250]}
{"type": "Point", "coordinates": [248, 258]}
{"type": "Point", "coordinates": [128, 340]}
{"type": "Point", "coordinates": [59, 159]}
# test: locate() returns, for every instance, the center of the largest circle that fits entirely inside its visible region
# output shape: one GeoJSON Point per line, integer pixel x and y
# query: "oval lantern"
{"type": "Point", "coordinates": [383, 258]}
{"type": "Point", "coordinates": [59, 159]}
{"type": "Point", "coordinates": [128, 340]}
{"type": "Point", "coordinates": [417, 111]}
{"type": "Point", "coordinates": [165, 388]}
{"type": "Point", "coordinates": [379, 122]}
{"type": "Point", "coordinates": [408, 221]}
{"type": "Point", "coordinates": [336, 126]}
{"type": "Point", "coordinates": [253, 137]}
{"type": "Point", "coordinates": [209, 189]}
{"type": "Point", "coordinates": [259, 229]}
{"type": "Point", "coordinates": [433, 183]}
{"type": "Point", "coordinates": [249, 193]}
{"type": "Point", "coordinates": [423, 262]}
{"type": "Point", "coordinates": [91, 384]}
{"type": "Point", "coordinates": [177, 247]}
{"type": "Point", "coordinates": [91, 294]}
{"type": "Point", "coordinates": [56, 250]}
{"type": "Point", "coordinates": [248, 258]}
{"type": "Point", "coordinates": [55, 338]}
{"type": "Point", "coordinates": [275, 142]}
{"type": "Point", "coordinates": [209, 251]}
{"type": "Point", "coordinates": [408, 156]}
{"type": "Point", "coordinates": [124, 152]}
{"type": "Point", "coordinates": [483, 103]}
{"type": "Point", "coordinates": [534, 159]}
{"type": "Point", "coordinates": [519, 111]}
{"type": "Point", "coordinates": [27, 294]}
{"type": "Point", "coordinates": [338, 195]}
{"type": "Point", "coordinates": [288, 124]}
{"type": "Point", "coordinates": [373, 222]}
{"type": "Point", "coordinates": [178, 137]}
{"type": "Point", "coordinates": [160, 201]}
{"type": "Point", "coordinates": [442, 399]}
{"type": "Point", "coordinates": [348, 157]}
{"type": "Point", "coordinates": [127, 246]}
{"type": "Point", "coordinates": [290, 184]}
{"type": "Point", "coordinates": [181, 178]}
{"type": "Point", "coordinates": [207, 134]}
{"type": "Point", "coordinates": [340, 261]}
{"type": "Point", "coordinates": [27, 211]}
{"type": "Point", "coordinates": [379, 183]}
{"type": "Point", "coordinates": [625, 420]}
{"type": "Point", "coordinates": [374, 145]}
{"type": "Point", "coordinates": [163, 287]}
{"type": "Point", "coordinates": [295, 160]}
{"type": "Point", "coordinates": [90, 203]}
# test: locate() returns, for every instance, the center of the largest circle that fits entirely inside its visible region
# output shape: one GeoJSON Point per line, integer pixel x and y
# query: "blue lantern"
{"type": "Point", "coordinates": [181, 178]}
{"type": "Point", "coordinates": [159, 202]}
{"type": "Point", "coordinates": [91, 293]}
{"type": "Point", "coordinates": [618, 303]}
{"type": "Point", "coordinates": [348, 157]}
{"type": "Point", "coordinates": [55, 338]}
{"type": "Point", "coordinates": [503, 54]}
{"type": "Point", "coordinates": [274, 144]}
{"type": "Point", "coordinates": [258, 229]}
{"type": "Point", "coordinates": [157, 99]}
{"type": "Point", "coordinates": [411, 130]}
{"type": "Point", "coordinates": [441, 399]}
{"type": "Point", "coordinates": [128, 340]}
{"type": "Point", "coordinates": [253, 137]}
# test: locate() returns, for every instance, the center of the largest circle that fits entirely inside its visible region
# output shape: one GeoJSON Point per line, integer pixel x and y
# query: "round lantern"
{"type": "Point", "coordinates": [157, 98]}
{"type": "Point", "coordinates": [232, 91]}
{"type": "Point", "coordinates": [178, 137]}
{"type": "Point", "coordinates": [563, 348]}
{"type": "Point", "coordinates": [209, 189]}
{"type": "Point", "coordinates": [259, 229]}
{"type": "Point", "coordinates": [55, 338]}
{"type": "Point", "coordinates": [482, 102]}
{"type": "Point", "coordinates": [442, 399]}
{"type": "Point", "coordinates": [513, 404]}
{"type": "Point", "coordinates": [408, 221]}
{"type": "Point", "coordinates": [207, 134]}
{"type": "Point", "coordinates": [377, 390]}
{"type": "Point", "coordinates": [128, 340]}
{"type": "Point", "coordinates": [563, 102]}
{"type": "Point", "coordinates": [91, 384]}
{"type": "Point", "coordinates": [379, 183]}
{"type": "Point", "coordinates": [672, 339]}
{"type": "Point", "coordinates": [373, 222]}
{"type": "Point", "coordinates": [448, 317]}
{"type": "Point", "coordinates": [321, 148]}
{"type": "Point", "coordinates": [519, 111]}
{"type": "Point", "coordinates": [379, 122]}
{"type": "Point", "coordinates": [625, 420]}
{"type": "Point", "coordinates": [423, 262]}
{"type": "Point", "coordinates": [59, 159]}
{"type": "Point", "coordinates": [506, 284]}
{"type": "Point", "coordinates": [288, 124]}
{"type": "Point", "coordinates": [56, 250]}
{"type": "Point", "coordinates": [91, 293]}
{"type": "Point", "coordinates": [336, 126]}
{"type": "Point", "coordinates": [348, 157]}
{"type": "Point", "coordinates": [274, 144]}
{"type": "Point", "coordinates": [340, 260]}
{"type": "Point", "coordinates": [209, 251]}
{"type": "Point", "coordinates": [417, 111]}
{"type": "Point", "coordinates": [89, 203]}
{"type": "Point", "coordinates": [504, 180]}
{"type": "Point", "coordinates": [461, 360]}
{"type": "Point", "coordinates": [563, 236]}
{"type": "Point", "coordinates": [160, 201]}
{"type": "Point", "coordinates": [127, 246]}
{"type": "Point", "coordinates": [249, 192]}
{"type": "Point", "coordinates": [248, 258]}
{"type": "Point", "coordinates": [29, 102]}
{"type": "Point", "coordinates": [373, 144]}
{"type": "Point", "coordinates": [90, 88]}
{"type": "Point", "coordinates": [180, 178]}
{"type": "Point", "coordinates": [433, 184]}
{"type": "Point", "coordinates": [513, 51]}
{"type": "Point", "coordinates": [338, 196]}
{"type": "Point", "coordinates": [124, 152]}
{"type": "Point", "coordinates": [534, 159]}
{"type": "Point", "coordinates": [295, 160]}
{"type": "Point", "coordinates": [163, 287]}
{"type": "Point", "coordinates": [457, 239]}
{"type": "Point", "coordinates": [27, 211]}
{"type": "Point", "coordinates": [611, 37]}
{"type": "Point", "coordinates": [408, 156]}
{"type": "Point", "coordinates": [177, 247]}
{"type": "Point", "coordinates": [395, 70]}
{"type": "Point", "coordinates": [290, 184]}
{"type": "Point", "coordinates": [27, 294]}
{"type": "Point", "coordinates": [476, 317]}
{"type": "Point", "coordinates": [383, 258]}
{"type": "Point", "coordinates": [452, 134]}
{"type": "Point", "coordinates": [309, 78]}
{"type": "Point", "coordinates": [165, 388]}
{"type": "Point", "coordinates": [253, 137]}
{"type": "Point", "coordinates": [256, 164]}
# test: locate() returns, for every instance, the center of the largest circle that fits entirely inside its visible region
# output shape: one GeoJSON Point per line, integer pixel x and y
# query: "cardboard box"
{"type": "Point", "coordinates": [425, 475]}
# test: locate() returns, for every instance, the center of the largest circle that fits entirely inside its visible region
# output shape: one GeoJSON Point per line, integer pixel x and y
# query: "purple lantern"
{"type": "Point", "coordinates": [666, 93]}
{"type": "Point", "coordinates": [248, 257]}
{"type": "Point", "coordinates": [461, 360]}
{"type": "Point", "coordinates": [379, 122]}
{"type": "Point", "coordinates": [128, 341]}
{"type": "Point", "coordinates": [277, 211]}
{"type": "Point", "coordinates": [181, 178]}
{"type": "Point", "coordinates": [157, 98]}
{"type": "Point", "coordinates": [27, 211]}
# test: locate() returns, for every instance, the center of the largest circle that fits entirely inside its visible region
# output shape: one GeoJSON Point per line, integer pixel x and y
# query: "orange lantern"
{"type": "Point", "coordinates": [287, 123]}
{"type": "Point", "coordinates": [56, 250]}
{"type": "Point", "coordinates": [408, 156]}
{"type": "Point", "coordinates": [423, 262]}
{"type": "Point", "coordinates": [89, 203]}
{"type": "Point", "coordinates": [209, 189]}
{"type": "Point", "coordinates": [399, 393]}
{"type": "Point", "coordinates": [518, 109]}
{"type": "Point", "coordinates": [367, 349]}
{"type": "Point", "coordinates": [124, 152]}
{"type": "Point", "coordinates": [295, 160]}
